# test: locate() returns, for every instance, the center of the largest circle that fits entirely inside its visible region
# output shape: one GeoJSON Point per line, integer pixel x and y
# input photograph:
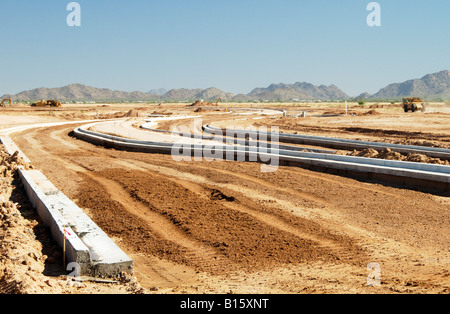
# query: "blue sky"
{"type": "Point", "coordinates": [234, 45]}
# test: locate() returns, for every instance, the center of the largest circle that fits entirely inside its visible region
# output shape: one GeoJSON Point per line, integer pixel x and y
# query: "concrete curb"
{"type": "Point", "coordinates": [341, 143]}
{"type": "Point", "coordinates": [435, 176]}
{"type": "Point", "coordinates": [86, 244]}
{"type": "Point", "coordinates": [225, 139]}
{"type": "Point", "coordinates": [76, 251]}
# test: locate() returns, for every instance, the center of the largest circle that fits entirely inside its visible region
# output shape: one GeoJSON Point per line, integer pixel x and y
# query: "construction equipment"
{"type": "Point", "coordinates": [47, 103]}
{"type": "Point", "coordinates": [2, 104]}
{"type": "Point", "coordinates": [413, 104]}
{"type": "Point", "coordinates": [41, 103]}
{"type": "Point", "coordinates": [218, 100]}
{"type": "Point", "coordinates": [53, 103]}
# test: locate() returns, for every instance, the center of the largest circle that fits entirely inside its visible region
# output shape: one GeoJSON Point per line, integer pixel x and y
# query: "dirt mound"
{"type": "Point", "coordinates": [27, 251]}
{"type": "Point", "coordinates": [352, 112]}
{"type": "Point", "coordinates": [392, 155]}
{"type": "Point", "coordinates": [10, 163]}
{"type": "Point", "coordinates": [21, 257]}
{"type": "Point", "coordinates": [368, 153]}
{"type": "Point", "coordinates": [117, 115]}
{"type": "Point", "coordinates": [162, 113]}
{"type": "Point", "coordinates": [426, 143]}
{"type": "Point", "coordinates": [372, 112]}
{"type": "Point", "coordinates": [207, 109]}
{"type": "Point", "coordinates": [379, 106]}
{"type": "Point", "coordinates": [132, 114]}
{"type": "Point", "coordinates": [200, 103]}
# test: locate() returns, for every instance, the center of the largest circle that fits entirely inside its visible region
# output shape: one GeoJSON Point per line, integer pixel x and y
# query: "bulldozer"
{"type": "Point", "coordinates": [53, 103]}
{"type": "Point", "coordinates": [47, 103]}
{"type": "Point", "coordinates": [414, 104]}
{"type": "Point", "coordinates": [2, 104]}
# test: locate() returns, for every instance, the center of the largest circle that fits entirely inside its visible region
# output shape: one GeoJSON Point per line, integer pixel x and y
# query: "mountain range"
{"type": "Point", "coordinates": [431, 86]}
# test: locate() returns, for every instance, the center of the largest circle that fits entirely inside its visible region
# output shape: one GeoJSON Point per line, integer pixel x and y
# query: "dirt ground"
{"type": "Point", "coordinates": [226, 227]}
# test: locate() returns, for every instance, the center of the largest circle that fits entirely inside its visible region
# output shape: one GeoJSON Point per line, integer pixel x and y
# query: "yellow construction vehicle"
{"type": "Point", "coordinates": [53, 103]}
{"type": "Point", "coordinates": [47, 103]}
{"type": "Point", "coordinates": [413, 104]}
{"type": "Point", "coordinates": [2, 104]}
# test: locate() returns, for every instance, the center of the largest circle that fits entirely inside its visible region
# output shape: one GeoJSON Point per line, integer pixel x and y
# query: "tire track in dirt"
{"type": "Point", "coordinates": [221, 227]}
{"type": "Point", "coordinates": [395, 274]}
{"type": "Point", "coordinates": [186, 251]}
{"type": "Point", "coordinates": [296, 207]}
{"type": "Point", "coordinates": [380, 244]}
{"type": "Point", "coordinates": [282, 220]}
{"type": "Point", "coordinates": [196, 254]}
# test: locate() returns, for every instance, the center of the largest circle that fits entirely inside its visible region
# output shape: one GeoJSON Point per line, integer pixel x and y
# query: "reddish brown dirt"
{"type": "Point", "coordinates": [391, 155]}
{"type": "Point", "coordinates": [30, 260]}
{"type": "Point", "coordinates": [424, 129]}
{"type": "Point", "coordinates": [217, 227]}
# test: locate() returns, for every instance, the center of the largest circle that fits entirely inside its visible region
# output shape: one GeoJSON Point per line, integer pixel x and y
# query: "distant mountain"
{"type": "Point", "coordinates": [181, 94]}
{"type": "Point", "coordinates": [431, 86]}
{"type": "Point", "coordinates": [299, 90]}
{"type": "Point", "coordinates": [159, 91]}
{"type": "Point", "coordinates": [209, 94]}
{"type": "Point", "coordinates": [277, 92]}
{"type": "Point", "coordinates": [81, 93]}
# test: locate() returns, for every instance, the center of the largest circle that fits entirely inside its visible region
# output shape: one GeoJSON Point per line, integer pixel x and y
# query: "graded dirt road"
{"type": "Point", "coordinates": [219, 227]}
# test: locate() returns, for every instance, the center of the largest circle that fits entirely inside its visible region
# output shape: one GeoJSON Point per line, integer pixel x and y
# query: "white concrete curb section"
{"type": "Point", "coordinates": [76, 251]}
{"type": "Point", "coordinates": [341, 143]}
{"type": "Point", "coordinates": [402, 169]}
{"type": "Point", "coordinates": [86, 244]}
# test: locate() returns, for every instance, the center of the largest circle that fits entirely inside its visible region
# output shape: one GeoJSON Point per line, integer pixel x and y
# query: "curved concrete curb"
{"type": "Point", "coordinates": [434, 176]}
{"type": "Point", "coordinates": [342, 143]}
{"type": "Point", "coordinates": [234, 140]}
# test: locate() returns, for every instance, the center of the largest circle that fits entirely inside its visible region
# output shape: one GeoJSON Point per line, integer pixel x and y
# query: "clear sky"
{"type": "Point", "coordinates": [234, 45]}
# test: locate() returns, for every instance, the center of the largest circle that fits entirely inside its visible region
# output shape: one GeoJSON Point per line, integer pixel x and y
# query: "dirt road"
{"type": "Point", "coordinates": [219, 227]}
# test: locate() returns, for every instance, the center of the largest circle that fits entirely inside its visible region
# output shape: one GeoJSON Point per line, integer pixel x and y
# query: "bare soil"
{"type": "Point", "coordinates": [227, 227]}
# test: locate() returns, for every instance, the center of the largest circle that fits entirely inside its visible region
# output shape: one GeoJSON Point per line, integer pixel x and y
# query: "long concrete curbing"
{"type": "Point", "coordinates": [233, 140]}
{"type": "Point", "coordinates": [340, 143]}
{"type": "Point", "coordinates": [86, 244]}
{"type": "Point", "coordinates": [76, 250]}
{"type": "Point", "coordinates": [426, 175]}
